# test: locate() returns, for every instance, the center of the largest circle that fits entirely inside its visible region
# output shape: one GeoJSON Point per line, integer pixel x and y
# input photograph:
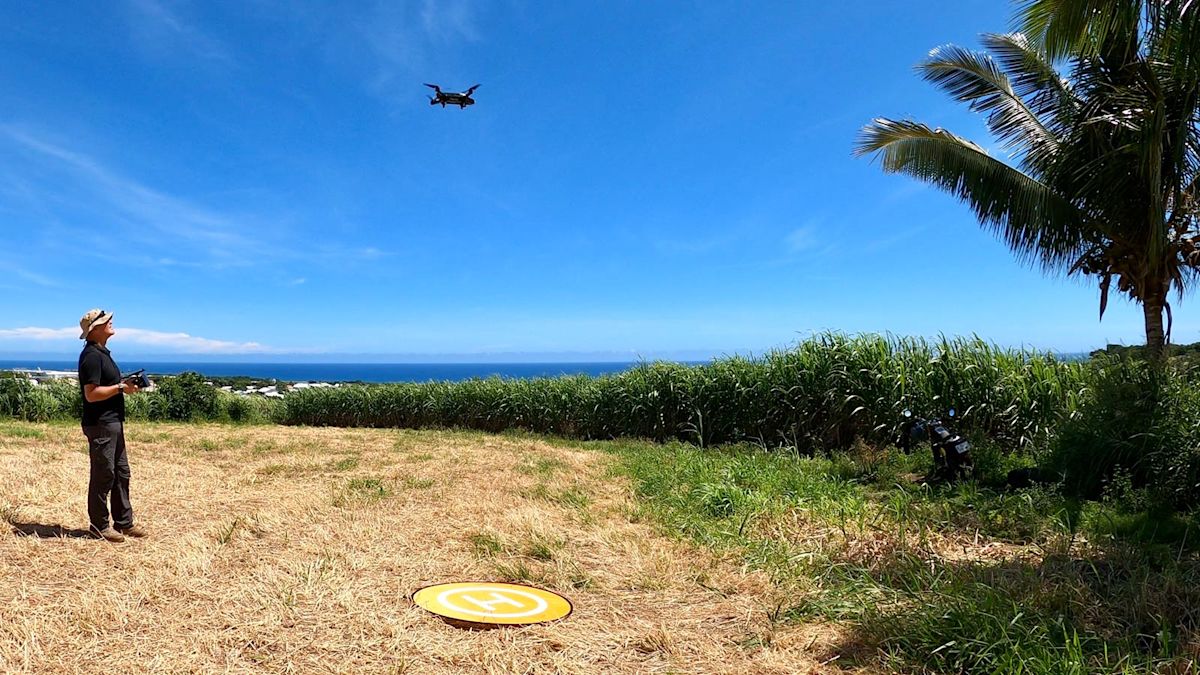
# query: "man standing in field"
{"type": "Point", "coordinates": [104, 425]}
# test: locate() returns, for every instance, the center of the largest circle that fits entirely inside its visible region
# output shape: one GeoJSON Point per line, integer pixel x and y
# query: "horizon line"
{"type": "Point", "coordinates": [484, 358]}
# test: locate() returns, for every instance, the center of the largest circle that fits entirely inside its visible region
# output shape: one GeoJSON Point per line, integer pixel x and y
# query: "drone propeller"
{"type": "Point", "coordinates": [471, 90]}
{"type": "Point", "coordinates": [433, 87]}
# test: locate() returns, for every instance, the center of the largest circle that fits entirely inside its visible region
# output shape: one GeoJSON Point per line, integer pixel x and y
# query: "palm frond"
{"type": "Point", "coordinates": [1173, 34]}
{"type": "Point", "coordinates": [1082, 28]}
{"type": "Point", "coordinates": [1036, 223]}
{"type": "Point", "coordinates": [1033, 76]}
{"type": "Point", "coordinates": [976, 79]}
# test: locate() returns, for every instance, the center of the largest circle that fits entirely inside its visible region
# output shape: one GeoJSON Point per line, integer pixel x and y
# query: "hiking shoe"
{"type": "Point", "coordinates": [135, 531]}
{"type": "Point", "coordinates": [108, 533]}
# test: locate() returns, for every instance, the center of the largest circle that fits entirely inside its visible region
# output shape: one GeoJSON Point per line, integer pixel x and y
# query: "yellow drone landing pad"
{"type": "Point", "coordinates": [486, 604]}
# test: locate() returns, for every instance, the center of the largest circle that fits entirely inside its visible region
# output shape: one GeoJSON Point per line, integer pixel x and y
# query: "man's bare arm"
{"type": "Point", "coordinates": [95, 393]}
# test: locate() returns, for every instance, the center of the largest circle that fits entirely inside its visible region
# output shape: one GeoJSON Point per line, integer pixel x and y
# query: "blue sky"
{"type": "Point", "coordinates": [637, 178]}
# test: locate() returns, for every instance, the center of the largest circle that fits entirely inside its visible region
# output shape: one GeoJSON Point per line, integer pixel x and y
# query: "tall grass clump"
{"type": "Point", "coordinates": [26, 400]}
{"type": "Point", "coordinates": [248, 409]}
{"type": "Point", "coordinates": [1136, 435]}
{"type": "Point", "coordinates": [185, 397]}
{"type": "Point", "coordinates": [188, 398]}
{"type": "Point", "coordinates": [823, 393]}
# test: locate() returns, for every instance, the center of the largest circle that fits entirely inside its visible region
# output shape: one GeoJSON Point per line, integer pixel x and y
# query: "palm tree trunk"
{"type": "Point", "coordinates": [1152, 308]}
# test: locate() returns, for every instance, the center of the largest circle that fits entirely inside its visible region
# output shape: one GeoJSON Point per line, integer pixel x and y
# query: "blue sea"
{"type": "Point", "coordinates": [346, 372]}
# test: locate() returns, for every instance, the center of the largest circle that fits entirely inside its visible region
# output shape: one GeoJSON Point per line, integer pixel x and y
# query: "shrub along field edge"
{"type": "Point", "coordinates": [822, 394]}
{"type": "Point", "coordinates": [1111, 421]}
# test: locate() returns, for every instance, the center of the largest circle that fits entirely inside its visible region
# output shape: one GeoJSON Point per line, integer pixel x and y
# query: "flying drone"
{"type": "Point", "coordinates": [460, 99]}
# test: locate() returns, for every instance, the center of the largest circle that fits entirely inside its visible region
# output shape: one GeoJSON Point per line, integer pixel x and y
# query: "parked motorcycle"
{"type": "Point", "coordinates": [951, 452]}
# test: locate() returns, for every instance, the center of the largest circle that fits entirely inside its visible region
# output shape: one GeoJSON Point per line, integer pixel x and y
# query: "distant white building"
{"type": "Point", "coordinates": [39, 375]}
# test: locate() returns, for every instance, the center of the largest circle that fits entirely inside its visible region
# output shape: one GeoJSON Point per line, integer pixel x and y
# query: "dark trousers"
{"type": "Point", "coordinates": [109, 476]}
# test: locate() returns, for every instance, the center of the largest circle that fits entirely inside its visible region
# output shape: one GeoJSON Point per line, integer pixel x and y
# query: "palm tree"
{"type": "Point", "coordinates": [1104, 178]}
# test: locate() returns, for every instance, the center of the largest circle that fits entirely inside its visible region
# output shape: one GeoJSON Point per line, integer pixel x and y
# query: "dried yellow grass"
{"type": "Point", "coordinates": [296, 550]}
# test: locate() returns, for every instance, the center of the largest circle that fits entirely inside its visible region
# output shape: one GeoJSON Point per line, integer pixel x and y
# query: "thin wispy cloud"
{"type": "Point", "coordinates": [144, 216]}
{"type": "Point", "coordinates": [119, 218]}
{"type": "Point", "coordinates": [15, 270]}
{"type": "Point", "coordinates": [908, 189]}
{"type": "Point", "coordinates": [801, 245]}
{"type": "Point", "coordinates": [889, 242]}
{"type": "Point", "coordinates": [396, 47]}
{"type": "Point", "coordinates": [801, 239]}
{"type": "Point", "coordinates": [450, 19]}
{"type": "Point", "coordinates": [700, 244]}
{"type": "Point", "coordinates": [161, 28]}
{"type": "Point", "coordinates": [190, 344]}
{"type": "Point", "coordinates": [401, 37]}
{"type": "Point", "coordinates": [34, 333]}
{"type": "Point", "coordinates": [174, 342]}
{"type": "Point", "coordinates": [160, 211]}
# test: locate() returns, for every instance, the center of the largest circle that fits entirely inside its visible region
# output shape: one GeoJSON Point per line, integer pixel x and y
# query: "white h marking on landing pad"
{"type": "Point", "coordinates": [489, 605]}
{"type": "Point", "coordinates": [498, 597]}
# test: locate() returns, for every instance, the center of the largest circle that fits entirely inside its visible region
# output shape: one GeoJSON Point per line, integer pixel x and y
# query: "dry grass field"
{"type": "Point", "coordinates": [279, 549]}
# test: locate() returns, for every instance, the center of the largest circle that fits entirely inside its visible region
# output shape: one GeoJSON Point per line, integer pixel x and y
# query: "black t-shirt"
{"type": "Point", "coordinates": [96, 366]}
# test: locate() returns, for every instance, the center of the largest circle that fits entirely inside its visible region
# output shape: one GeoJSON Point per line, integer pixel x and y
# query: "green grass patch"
{"type": "Point", "coordinates": [344, 464]}
{"type": "Point", "coordinates": [540, 465]}
{"type": "Point", "coordinates": [236, 442]}
{"type": "Point", "coordinates": [522, 572]}
{"type": "Point", "coordinates": [22, 431]}
{"type": "Point", "coordinates": [409, 482]}
{"type": "Point", "coordinates": [134, 434]}
{"type": "Point", "coordinates": [573, 496]}
{"type": "Point", "coordinates": [542, 547]}
{"type": "Point", "coordinates": [1127, 601]}
{"type": "Point", "coordinates": [274, 470]}
{"type": "Point", "coordinates": [207, 445]}
{"type": "Point", "coordinates": [1164, 535]}
{"type": "Point", "coordinates": [261, 448]}
{"type": "Point", "coordinates": [358, 491]}
{"type": "Point", "coordinates": [486, 544]}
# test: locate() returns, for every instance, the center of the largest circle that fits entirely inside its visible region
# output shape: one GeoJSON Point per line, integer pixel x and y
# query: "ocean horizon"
{"type": "Point", "coordinates": [372, 372]}
{"type": "Point", "coordinates": [347, 372]}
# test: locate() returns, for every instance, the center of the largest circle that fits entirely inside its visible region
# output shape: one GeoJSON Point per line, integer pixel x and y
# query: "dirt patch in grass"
{"type": "Point", "coordinates": [272, 551]}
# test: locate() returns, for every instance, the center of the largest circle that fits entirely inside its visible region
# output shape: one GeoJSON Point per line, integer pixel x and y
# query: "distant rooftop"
{"type": "Point", "coordinates": [39, 374]}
